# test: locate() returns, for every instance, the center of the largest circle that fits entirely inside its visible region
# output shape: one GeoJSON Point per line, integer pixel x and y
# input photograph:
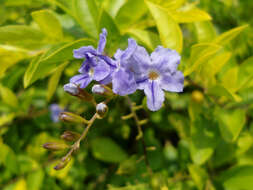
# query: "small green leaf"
{"type": "Point", "coordinates": [199, 176]}
{"type": "Point", "coordinates": [226, 37]}
{"type": "Point", "coordinates": [169, 31]}
{"type": "Point", "coordinates": [206, 132]}
{"type": "Point", "coordinates": [130, 12]}
{"type": "Point", "coordinates": [8, 96]}
{"type": "Point", "coordinates": [231, 123]}
{"type": "Point", "coordinates": [149, 39]}
{"type": "Point", "coordinates": [191, 15]}
{"type": "Point", "coordinates": [47, 63]}
{"type": "Point", "coordinates": [105, 149]}
{"type": "Point", "coordinates": [245, 74]}
{"type": "Point", "coordinates": [35, 180]}
{"type": "Point", "coordinates": [200, 54]}
{"type": "Point", "coordinates": [229, 79]}
{"type": "Point", "coordinates": [113, 6]}
{"type": "Point", "coordinates": [48, 23]}
{"type": "Point", "coordinates": [54, 80]}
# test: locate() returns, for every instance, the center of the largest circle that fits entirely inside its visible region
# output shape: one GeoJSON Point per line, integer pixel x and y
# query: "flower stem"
{"type": "Point", "coordinates": [140, 134]}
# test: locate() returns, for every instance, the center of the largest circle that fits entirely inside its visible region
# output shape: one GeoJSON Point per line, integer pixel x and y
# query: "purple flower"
{"type": "Point", "coordinates": [159, 73]}
{"type": "Point", "coordinates": [123, 80]}
{"type": "Point", "coordinates": [96, 65]}
{"type": "Point", "coordinates": [55, 112]}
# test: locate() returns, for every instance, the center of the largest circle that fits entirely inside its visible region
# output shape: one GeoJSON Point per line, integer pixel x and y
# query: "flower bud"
{"type": "Point", "coordinates": [75, 90]}
{"type": "Point", "coordinates": [55, 146]}
{"type": "Point", "coordinates": [70, 136]}
{"type": "Point", "coordinates": [71, 117]}
{"type": "Point", "coordinates": [197, 96]}
{"type": "Point", "coordinates": [101, 109]}
{"type": "Point", "coordinates": [62, 164]}
{"type": "Point", "coordinates": [71, 88]}
{"type": "Point", "coordinates": [102, 90]}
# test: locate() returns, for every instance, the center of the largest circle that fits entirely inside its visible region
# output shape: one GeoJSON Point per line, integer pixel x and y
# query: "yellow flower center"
{"type": "Point", "coordinates": [91, 72]}
{"type": "Point", "coordinates": [153, 75]}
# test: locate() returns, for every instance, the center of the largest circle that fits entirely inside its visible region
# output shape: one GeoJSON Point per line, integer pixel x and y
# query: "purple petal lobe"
{"type": "Point", "coordinates": [155, 95]}
{"type": "Point", "coordinates": [132, 45]}
{"type": "Point", "coordinates": [123, 82]}
{"type": "Point", "coordinates": [81, 52]}
{"type": "Point", "coordinates": [101, 70]}
{"type": "Point", "coordinates": [102, 41]}
{"type": "Point", "coordinates": [83, 80]}
{"type": "Point", "coordinates": [165, 60]}
{"type": "Point", "coordinates": [173, 83]}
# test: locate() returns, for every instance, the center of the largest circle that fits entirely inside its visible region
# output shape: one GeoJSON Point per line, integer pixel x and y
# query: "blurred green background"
{"type": "Point", "coordinates": [200, 140]}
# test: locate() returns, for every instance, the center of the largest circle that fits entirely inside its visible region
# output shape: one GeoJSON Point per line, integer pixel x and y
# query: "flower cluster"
{"type": "Point", "coordinates": [130, 70]}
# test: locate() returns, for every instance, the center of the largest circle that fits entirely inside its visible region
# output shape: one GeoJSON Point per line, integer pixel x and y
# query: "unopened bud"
{"type": "Point", "coordinates": [102, 90]}
{"type": "Point", "coordinates": [70, 136]}
{"type": "Point", "coordinates": [71, 88]}
{"type": "Point", "coordinates": [62, 164]}
{"type": "Point", "coordinates": [75, 90]}
{"type": "Point", "coordinates": [101, 109]}
{"type": "Point", "coordinates": [71, 117]}
{"type": "Point", "coordinates": [55, 146]}
{"type": "Point", "coordinates": [197, 96]}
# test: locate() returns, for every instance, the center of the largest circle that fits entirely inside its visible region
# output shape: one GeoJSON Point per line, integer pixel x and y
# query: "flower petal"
{"type": "Point", "coordinates": [102, 41]}
{"type": "Point", "coordinates": [83, 80]}
{"type": "Point", "coordinates": [123, 82]}
{"type": "Point", "coordinates": [165, 60]}
{"type": "Point", "coordinates": [155, 95]}
{"type": "Point", "coordinates": [173, 83]}
{"type": "Point", "coordinates": [81, 52]}
{"type": "Point", "coordinates": [101, 70]}
{"type": "Point", "coordinates": [132, 45]}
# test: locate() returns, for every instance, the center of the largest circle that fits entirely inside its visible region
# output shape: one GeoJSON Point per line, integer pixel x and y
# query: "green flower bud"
{"type": "Point", "coordinates": [71, 117]}
{"type": "Point", "coordinates": [55, 146]}
{"type": "Point", "coordinates": [70, 136]}
{"type": "Point", "coordinates": [62, 164]}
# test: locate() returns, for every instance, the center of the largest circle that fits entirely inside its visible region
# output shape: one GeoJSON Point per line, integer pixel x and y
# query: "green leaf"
{"type": "Point", "coordinates": [21, 36]}
{"type": "Point", "coordinates": [128, 166]}
{"type": "Point", "coordinates": [191, 15]}
{"type": "Point", "coordinates": [245, 74]}
{"type": "Point", "coordinates": [231, 123]}
{"type": "Point", "coordinates": [35, 180]}
{"type": "Point", "coordinates": [240, 177]}
{"type": "Point", "coordinates": [8, 158]}
{"type": "Point", "coordinates": [129, 13]}
{"type": "Point", "coordinates": [47, 63]}
{"type": "Point", "coordinates": [226, 37]}
{"type": "Point", "coordinates": [206, 132]}
{"type": "Point", "coordinates": [229, 79]}
{"type": "Point", "coordinates": [205, 31]}
{"type": "Point", "coordinates": [169, 31]}
{"type": "Point", "coordinates": [105, 149]}
{"type": "Point", "coordinates": [54, 80]}
{"type": "Point", "coordinates": [48, 24]}
{"type": "Point", "coordinates": [200, 54]}
{"type": "Point", "coordinates": [113, 6]}
{"type": "Point", "coordinates": [8, 96]}
{"type": "Point", "coordinates": [86, 13]}
{"type": "Point", "coordinates": [198, 175]}
{"type": "Point", "coordinates": [149, 39]}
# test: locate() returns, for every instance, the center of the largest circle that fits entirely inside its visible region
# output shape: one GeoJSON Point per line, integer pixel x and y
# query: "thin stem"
{"type": "Point", "coordinates": [140, 134]}
{"type": "Point", "coordinates": [76, 145]}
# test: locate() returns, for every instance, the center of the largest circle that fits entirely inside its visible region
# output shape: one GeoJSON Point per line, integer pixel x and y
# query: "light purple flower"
{"type": "Point", "coordinates": [159, 73]}
{"type": "Point", "coordinates": [55, 110]}
{"type": "Point", "coordinates": [96, 65]}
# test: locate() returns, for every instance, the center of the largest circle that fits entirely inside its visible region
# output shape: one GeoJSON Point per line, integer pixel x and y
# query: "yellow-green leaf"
{"type": "Point", "coordinates": [48, 23]}
{"type": "Point", "coordinates": [226, 37]}
{"type": "Point", "coordinates": [205, 31]}
{"type": "Point", "coordinates": [54, 80]}
{"type": "Point", "coordinates": [191, 15]}
{"type": "Point", "coordinates": [149, 39]}
{"type": "Point", "coordinates": [169, 31]}
{"type": "Point", "coordinates": [20, 185]}
{"type": "Point", "coordinates": [8, 96]}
